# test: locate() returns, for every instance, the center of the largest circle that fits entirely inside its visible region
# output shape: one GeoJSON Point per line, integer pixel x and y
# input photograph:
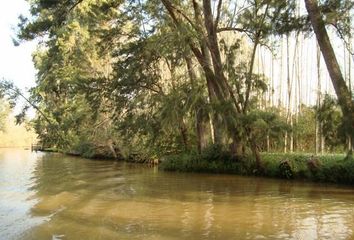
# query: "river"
{"type": "Point", "coordinates": [53, 196]}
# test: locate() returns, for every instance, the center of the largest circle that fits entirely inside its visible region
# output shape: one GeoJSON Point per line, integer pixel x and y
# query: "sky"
{"type": "Point", "coordinates": [15, 62]}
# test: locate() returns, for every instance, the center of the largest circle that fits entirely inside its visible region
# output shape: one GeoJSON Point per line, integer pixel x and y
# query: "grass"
{"type": "Point", "coordinates": [334, 168]}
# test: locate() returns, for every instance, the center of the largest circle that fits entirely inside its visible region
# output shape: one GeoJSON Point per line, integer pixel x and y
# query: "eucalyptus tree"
{"type": "Point", "coordinates": [151, 95]}
{"type": "Point", "coordinates": [334, 11]}
{"type": "Point", "coordinates": [155, 76]}
{"type": "Point", "coordinates": [67, 59]}
{"type": "Point", "coordinates": [204, 23]}
{"type": "Point", "coordinates": [111, 56]}
{"type": "Point", "coordinates": [123, 83]}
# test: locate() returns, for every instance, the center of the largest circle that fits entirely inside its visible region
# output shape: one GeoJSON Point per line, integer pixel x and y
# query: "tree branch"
{"type": "Point", "coordinates": [185, 16]}
{"type": "Point", "coordinates": [75, 4]}
{"type": "Point", "coordinates": [218, 14]}
{"type": "Point", "coordinates": [234, 29]}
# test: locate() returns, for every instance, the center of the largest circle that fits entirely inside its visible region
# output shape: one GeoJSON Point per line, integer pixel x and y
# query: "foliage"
{"type": "Point", "coordinates": [330, 168]}
{"type": "Point", "coordinates": [214, 160]}
{"type": "Point", "coordinates": [3, 115]}
{"type": "Point", "coordinates": [305, 128]}
{"type": "Point", "coordinates": [155, 78]}
{"type": "Point", "coordinates": [266, 123]}
{"type": "Point", "coordinates": [331, 120]}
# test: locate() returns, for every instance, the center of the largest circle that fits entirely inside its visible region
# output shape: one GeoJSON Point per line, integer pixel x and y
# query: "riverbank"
{"type": "Point", "coordinates": [331, 168]}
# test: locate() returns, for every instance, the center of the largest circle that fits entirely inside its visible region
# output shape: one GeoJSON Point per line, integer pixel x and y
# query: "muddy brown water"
{"type": "Point", "coordinates": [53, 196]}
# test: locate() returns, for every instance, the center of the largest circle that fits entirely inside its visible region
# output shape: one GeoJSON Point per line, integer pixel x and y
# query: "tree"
{"type": "Point", "coordinates": [332, 124]}
{"type": "Point", "coordinates": [3, 115]}
{"type": "Point", "coordinates": [345, 99]}
{"type": "Point", "coordinates": [158, 77]}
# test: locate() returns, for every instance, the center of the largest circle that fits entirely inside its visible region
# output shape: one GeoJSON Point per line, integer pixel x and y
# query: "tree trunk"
{"type": "Point", "coordinates": [318, 137]}
{"type": "Point", "coordinates": [350, 140]}
{"type": "Point", "coordinates": [255, 152]}
{"type": "Point", "coordinates": [249, 74]}
{"type": "Point", "coordinates": [291, 135]}
{"type": "Point", "coordinates": [213, 46]}
{"type": "Point", "coordinates": [110, 144]}
{"type": "Point", "coordinates": [216, 93]}
{"type": "Point", "coordinates": [344, 98]}
{"type": "Point", "coordinates": [202, 126]}
{"type": "Point", "coordinates": [323, 140]}
{"type": "Point", "coordinates": [350, 144]}
{"type": "Point", "coordinates": [200, 116]}
{"type": "Point", "coordinates": [184, 134]}
{"type": "Point", "coordinates": [209, 58]}
{"type": "Point", "coordinates": [286, 142]}
{"type": "Point", "coordinates": [268, 143]}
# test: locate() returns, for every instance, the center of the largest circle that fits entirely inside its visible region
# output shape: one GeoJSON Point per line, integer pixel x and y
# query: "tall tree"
{"type": "Point", "coordinates": [345, 99]}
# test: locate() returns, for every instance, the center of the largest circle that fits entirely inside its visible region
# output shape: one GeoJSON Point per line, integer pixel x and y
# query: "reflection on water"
{"type": "Point", "coordinates": [51, 196]}
{"type": "Point", "coordinates": [16, 170]}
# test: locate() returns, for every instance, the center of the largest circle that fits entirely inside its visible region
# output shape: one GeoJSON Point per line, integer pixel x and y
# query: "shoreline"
{"type": "Point", "coordinates": [330, 168]}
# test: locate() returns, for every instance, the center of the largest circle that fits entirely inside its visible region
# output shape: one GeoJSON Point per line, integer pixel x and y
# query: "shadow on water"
{"type": "Point", "coordinates": [85, 199]}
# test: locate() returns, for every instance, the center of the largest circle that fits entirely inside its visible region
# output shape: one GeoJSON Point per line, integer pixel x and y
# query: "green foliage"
{"type": "Point", "coordinates": [265, 123]}
{"type": "Point", "coordinates": [330, 168]}
{"type": "Point", "coordinates": [330, 117]}
{"type": "Point", "coordinates": [337, 172]}
{"type": "Point", "coordinates": [213, 160]}
{"type": "Point", "coordinates": [304, 129]}
{"type": "Point", "coordinates": [337, 14]}
{"type": "Point", "coordinates": [117, 72]}
{"type": "Point", "coordinates": [271, 17]}
{"type": "Point", "coordinates": [286, 169]}
{"type": "Point", "coordinates": [85, 149]}
{"type": "Point", "coordinates": [9, 91]}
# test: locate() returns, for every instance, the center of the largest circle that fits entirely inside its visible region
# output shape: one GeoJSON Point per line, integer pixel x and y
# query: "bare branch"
{"type": "Point", "coordinates": [74, 6]}
{"type": "Point", "coordinates": [218, 14]}
{"type": "Point", "coordinates": [234, 29]}
{"type": "Point", "coordinates": [185, 16]}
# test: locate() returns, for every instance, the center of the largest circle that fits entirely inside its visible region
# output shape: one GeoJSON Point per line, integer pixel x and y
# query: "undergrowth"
{"type": "Point", "coordinates": [334, 168]}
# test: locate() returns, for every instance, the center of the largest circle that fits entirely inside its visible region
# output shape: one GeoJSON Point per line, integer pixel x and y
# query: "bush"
{"type": "Point", "coordinates": [286, 169]}
{"type": "Point", "coordinates": [337, 171]}
{"type": "Point", "coordinates": [327, 168]}
{"type": "Point", "coordinates": [213, 160]}
{"type": "Point", "coordinates": [334, 168]}
{"type": "Point", "coordinates": [91, 150]}
{"type": "Point", "coordinates": [85, 149]}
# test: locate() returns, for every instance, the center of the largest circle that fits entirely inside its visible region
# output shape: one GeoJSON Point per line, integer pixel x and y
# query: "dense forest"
{"type": "Point", "coordinates": [149, 79]}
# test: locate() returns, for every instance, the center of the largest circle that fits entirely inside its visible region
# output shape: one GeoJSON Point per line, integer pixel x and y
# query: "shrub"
{"type": "Point", "coordinates": [213, 160]}
{"type": "Point", "coordinates": [327, 168]}
{"type": "Point", "coordinates": [286, 169]}
{"type": "Point", "coordinates": [85, 149]}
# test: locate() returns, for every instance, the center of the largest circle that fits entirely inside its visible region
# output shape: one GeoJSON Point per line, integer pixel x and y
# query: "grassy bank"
{"type": "Point", "coordinates": [326, 168]}
{"type": "Point", "coordinates": [333, 168]}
